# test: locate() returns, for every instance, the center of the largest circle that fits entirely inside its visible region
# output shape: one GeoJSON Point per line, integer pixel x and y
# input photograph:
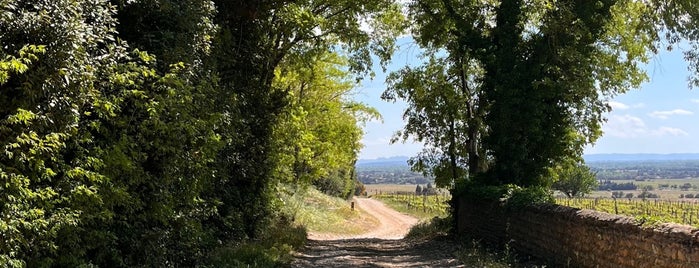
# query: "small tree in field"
{"type": "Point", "coordinates": [575, 180]}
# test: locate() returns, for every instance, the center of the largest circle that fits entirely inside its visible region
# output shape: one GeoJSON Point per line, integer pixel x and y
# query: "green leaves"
{"type": "Point", "coordinates": [317, 136]}
{"type": "Point", "coordinates": [574, 179]}
{"type": "Point", "coordinates": [11, 64]}
{"type": "Point", "coordinates": [113, 158]}
{"type": "Point", "coordinates": [442, 114]}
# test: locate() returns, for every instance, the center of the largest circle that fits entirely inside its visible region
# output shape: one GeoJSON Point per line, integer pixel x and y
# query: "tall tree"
{"type": "Point", "coordinates": [254, 38]}
{"type": "Point", "coordinates": [318, 136]}
{"type": "Point", "coordinates": [547, 69]}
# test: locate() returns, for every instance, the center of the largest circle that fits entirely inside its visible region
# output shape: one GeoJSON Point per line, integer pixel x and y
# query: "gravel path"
{"type": "Point", "coordinates": [382, 246]}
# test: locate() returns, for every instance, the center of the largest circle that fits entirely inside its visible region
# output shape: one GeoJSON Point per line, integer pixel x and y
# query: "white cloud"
{"type": "Point", "coordinates": [639, 105]}
{"type": "Point", "coordinates": [669, 131]}
{"type": "Point", "coordinates": [628, 126]}
{"type": "Point", "coordinates": [695, 101]}
{"type": "Point", "coordinates": [624, 126]}
{"type": "Point", "coordinates": [618, 105]}
{"type": "Point", "coordinates": [666, 114]}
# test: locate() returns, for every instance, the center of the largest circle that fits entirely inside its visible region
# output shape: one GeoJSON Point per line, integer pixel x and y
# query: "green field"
{"type": "Point", "coordinates": [664, 188]}
{"type": "Point", "coordinates": [423, 207]}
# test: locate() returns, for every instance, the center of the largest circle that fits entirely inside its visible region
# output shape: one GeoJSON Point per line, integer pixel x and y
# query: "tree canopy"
{"type": "Point", "coordinates": [151, 132]}
{"type": "Point", "coordinates": [540, 74]}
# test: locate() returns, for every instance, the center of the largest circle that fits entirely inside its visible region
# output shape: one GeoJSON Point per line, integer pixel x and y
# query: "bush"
{"type": "Point", "coordinates": [647, 194]}
{"type": "Point", "coordinates": [434, 227]}
{"type": "Point", "coordinates": [338, 184]}
{"type": "Point", "coordinates": [518, 197]}
{"type": "Point", "coordinates": [359, 188]}
{"type": "Point", "coordinates": [272, 250]}
{"type": "Point", "coordinates": [477, 192]}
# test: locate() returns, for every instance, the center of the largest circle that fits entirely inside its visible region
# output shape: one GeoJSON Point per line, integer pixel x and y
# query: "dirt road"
{"type": "Point", "coordinates": [382, 246]}
{"type": "Point", "coordinates": [392, 224]}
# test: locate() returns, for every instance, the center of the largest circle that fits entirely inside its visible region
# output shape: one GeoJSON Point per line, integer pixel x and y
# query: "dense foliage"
{"type": "Point", "coordinates": [153, 132]}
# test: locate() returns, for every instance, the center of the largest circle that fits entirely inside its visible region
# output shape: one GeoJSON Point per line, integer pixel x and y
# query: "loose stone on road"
{"type": "Point", "coordinates": [382, 246]}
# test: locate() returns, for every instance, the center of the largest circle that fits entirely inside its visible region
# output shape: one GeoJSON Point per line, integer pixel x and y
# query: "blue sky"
{"type": "Point", "coordinates": [658, 117]}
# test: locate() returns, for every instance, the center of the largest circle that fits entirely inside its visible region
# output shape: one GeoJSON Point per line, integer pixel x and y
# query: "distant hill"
{"type": "Point", "coordinates": [607, 167]}
{"type": "Point", "coordinates": [638, 157]}
{"type": "Point", "coordinates": [402, 160]}
{"type": "Point", "coordinates": [391, 170]}
{"type": "Point", "coordinates": [384, 161]}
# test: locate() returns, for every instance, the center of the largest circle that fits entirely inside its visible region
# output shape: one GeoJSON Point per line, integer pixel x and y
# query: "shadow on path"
{"type": "Point", "coordinates": [371, 252]}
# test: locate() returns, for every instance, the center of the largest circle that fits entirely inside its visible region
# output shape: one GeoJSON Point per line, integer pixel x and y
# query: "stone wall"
{"type": "Point", "coordinates": [569, 237]}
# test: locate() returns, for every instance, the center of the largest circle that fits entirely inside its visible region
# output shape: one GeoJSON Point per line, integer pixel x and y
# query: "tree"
{"type": "Point", "coordinates": [110, 153]}
{"type": "Point", "coordinates": [547, 68]}
{"type": "Point", "coordinates": [318, 136]}
{"type": "Point", "coordinates": [615, 194]}
{"type": "Point", "coordinates": [254, 39]}
{"type": "Point", "coordinates": [442, 113]}
{"type": "Point", "coordinates": [576, 180]}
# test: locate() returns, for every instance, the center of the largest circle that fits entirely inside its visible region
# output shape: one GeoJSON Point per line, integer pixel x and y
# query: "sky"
{"type": "Point", "coordinates": [659, 117]}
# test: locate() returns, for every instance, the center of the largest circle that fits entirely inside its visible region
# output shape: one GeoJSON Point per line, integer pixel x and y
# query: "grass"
{"type": "Point", "coordinates": [324, 214]}
{"type": "Point", "coordinates": [299, 210]}
{"type": "Point", "coordinates": [471, 252]}
{"type": "Point", "coordinates": [421, 207]}
{"type": "Point", "coordinates": [474, 254]}
{"type": "Point", "coordinates": [431, 228]}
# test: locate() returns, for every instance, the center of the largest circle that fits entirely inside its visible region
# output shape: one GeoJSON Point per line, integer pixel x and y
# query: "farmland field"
{"type": "Point", "coordinates": [669, 207]}
{"type": "Point", "coordinates": [373, 189]}
{"type": "Point", "coordinates": [402, 197]}
{"type": "Point", "coordinates": [645, 211]}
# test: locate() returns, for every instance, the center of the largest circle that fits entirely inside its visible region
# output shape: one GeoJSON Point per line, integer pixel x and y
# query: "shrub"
{"type": "Point", "coordinates": [272, 250]}
{"type": "Point", "coordinates": [518, 197]}
{"type": "Point", "coordinates": [426, 229]}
